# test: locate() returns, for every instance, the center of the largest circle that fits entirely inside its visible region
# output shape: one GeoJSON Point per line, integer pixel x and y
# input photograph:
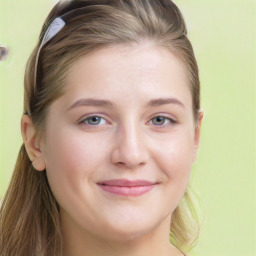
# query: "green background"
{"type": "Point", "coordinates": [224, 38]}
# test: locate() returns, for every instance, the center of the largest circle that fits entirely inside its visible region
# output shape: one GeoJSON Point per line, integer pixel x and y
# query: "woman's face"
{"type": "Point", "coordinates": [120, 142]}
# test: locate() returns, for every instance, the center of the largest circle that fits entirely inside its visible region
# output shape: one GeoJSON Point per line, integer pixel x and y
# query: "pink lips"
{"type": "Point", "coordinates": [127, 187]}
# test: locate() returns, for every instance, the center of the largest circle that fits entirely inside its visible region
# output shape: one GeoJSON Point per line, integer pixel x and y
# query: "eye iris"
{"type": "Point", "coordinates": [94, 120]}
{"type": "Point", "coordinates": [159, 120]}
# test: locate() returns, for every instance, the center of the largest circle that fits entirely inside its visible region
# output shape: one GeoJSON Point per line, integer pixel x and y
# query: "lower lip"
{"type": "Point", "coordinates": [127, 191]}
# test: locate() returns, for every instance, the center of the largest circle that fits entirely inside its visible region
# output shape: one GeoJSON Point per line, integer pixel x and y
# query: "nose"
{"type": "Point", "coordinates": [130, 149]}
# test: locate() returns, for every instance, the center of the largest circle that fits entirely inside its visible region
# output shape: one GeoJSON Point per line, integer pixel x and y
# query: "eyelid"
{"type": "Point", "coordinates": [82, 119]}
{"type": "Point", "coordinates": [172, 119]}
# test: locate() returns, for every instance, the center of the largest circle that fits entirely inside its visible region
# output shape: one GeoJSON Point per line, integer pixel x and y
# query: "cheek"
{"type": "Point", "coordinates": [175, 157]}
{"type": "Point", "coordinates": [71, 151]}
{"type": "Point", "coordinates": [71, 159]}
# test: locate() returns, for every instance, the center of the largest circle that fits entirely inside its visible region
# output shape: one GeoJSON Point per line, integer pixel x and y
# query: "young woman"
{"type": "Point", "coordinates": [111, 128]}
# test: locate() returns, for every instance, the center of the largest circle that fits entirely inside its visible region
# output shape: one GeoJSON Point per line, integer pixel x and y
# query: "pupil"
{"type": "Point", "coordinates": [159, 120]}
{"type": "Point", "coordinates": [94, 120]}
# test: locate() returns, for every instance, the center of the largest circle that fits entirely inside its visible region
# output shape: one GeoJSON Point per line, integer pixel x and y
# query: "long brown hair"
{"type": "Point", "coordinates": [29, 215]}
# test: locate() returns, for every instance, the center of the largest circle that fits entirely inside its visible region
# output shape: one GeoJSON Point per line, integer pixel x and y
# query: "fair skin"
{"type": "Point", "coordinates": [126, 115]}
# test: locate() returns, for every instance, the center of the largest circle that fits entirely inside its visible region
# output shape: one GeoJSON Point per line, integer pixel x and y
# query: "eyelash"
{"type": "Point", "coordinates": [85, 120]}
{"type": "Point", "coordinates": [170, 121]}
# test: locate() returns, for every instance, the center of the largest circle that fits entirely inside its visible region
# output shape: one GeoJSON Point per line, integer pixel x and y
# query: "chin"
{"type": "Point", "coordinates": [126, 237]}
{"type": "Point", "coordinates": [128, 233]}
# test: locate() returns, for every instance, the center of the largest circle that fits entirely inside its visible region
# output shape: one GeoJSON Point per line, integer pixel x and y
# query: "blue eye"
{"type": "Point", "coordinates": [94, 120]}
{"type": "Point", "coordinates": [161, 121]}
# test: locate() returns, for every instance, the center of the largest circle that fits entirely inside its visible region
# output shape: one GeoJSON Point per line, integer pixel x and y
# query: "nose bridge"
{"type": "Point", "coordinates": [130, 146]}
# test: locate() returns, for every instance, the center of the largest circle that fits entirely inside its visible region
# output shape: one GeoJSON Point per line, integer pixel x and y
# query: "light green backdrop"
{"type": "Point", "coordinates": [223, 33]}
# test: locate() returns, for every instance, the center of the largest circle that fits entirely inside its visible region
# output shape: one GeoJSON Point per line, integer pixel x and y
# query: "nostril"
{"type": "Point", "coordinates": [120, 164]}
{"type": "Point", "coordinates": [130, 164]}
{"type": "Point", "coordinates": [3, 53]}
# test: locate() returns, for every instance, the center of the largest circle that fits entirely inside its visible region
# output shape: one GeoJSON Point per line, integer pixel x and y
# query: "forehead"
{"type": "Point", "coordinates": [128, 70]}
{"type": "Point", "coordinates": [144, 56]}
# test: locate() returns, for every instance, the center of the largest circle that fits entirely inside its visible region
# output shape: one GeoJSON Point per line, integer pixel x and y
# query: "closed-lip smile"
{"type": "Point", "coordinates": [125, 187]}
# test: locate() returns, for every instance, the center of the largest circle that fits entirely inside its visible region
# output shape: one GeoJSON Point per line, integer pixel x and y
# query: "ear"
{"type": "Point", "coordinates": [32, 143]}
{"type": "Point", "coordinates": [197, 134]}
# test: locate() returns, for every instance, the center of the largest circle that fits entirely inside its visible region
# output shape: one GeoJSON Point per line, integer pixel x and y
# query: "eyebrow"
{"type": "Point", "coordinates": [91, 102]}
{"type": "Point", "coordinates": [107, 103]}
{"type": "Point", "coordinates": [164, 101]}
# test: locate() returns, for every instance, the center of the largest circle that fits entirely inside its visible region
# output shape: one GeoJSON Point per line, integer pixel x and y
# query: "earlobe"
{"type": "Point", "coordinates": [32, 143]}
{"type": "Point", "coordinates": [197, 134]}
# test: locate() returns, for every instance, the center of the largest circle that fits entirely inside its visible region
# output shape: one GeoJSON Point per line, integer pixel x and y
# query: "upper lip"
{"type": "Point", "coordinates": [126, 183]}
